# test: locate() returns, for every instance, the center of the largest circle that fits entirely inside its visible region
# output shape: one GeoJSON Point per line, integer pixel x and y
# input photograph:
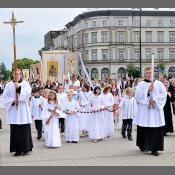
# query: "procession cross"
{"type": "Point", "coordinates": [13, 23]}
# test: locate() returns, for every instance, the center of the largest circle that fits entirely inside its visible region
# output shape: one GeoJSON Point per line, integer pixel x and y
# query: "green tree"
{"type": "Point", "coordinates": [25, 63]}
{"type": "Point", "coordinates": [161, 66]}
{"type": "Point", "coordinates": [132, 71]}
{"type": "Point", "coordinates": [5, 73]}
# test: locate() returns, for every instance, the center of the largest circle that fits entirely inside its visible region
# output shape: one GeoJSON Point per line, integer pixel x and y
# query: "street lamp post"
{"type": "Point", "coordinates": [140, 43]}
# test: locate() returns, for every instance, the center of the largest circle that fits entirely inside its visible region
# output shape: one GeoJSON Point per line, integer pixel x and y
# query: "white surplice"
{"type": "Point", "coordinates": [21, 114]}
{"type": "Point", "coordinates": [34, 107]}
{"type": "Point", "coordinates": [128, 107]}
{"type": "Point", "coordinates": [150, 117]}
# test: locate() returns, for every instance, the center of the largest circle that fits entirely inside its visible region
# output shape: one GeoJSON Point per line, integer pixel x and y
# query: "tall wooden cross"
{"type": "Point", "coordinates": [13, 23]}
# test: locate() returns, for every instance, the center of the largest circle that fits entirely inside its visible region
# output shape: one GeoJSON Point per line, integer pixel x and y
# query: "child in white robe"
{"type": "Point", "coordinates": [85, 96]}
{"type": "Point", "coordinates": [96, 118]}
{"type": "Point", "coordinates": [108, 102]}
{"type": "Point", "coordinates": [36, 107]}
{"type": "Point", "coordinates": [50, 121]}
{"type": "Point", "coordinates": [128, 107]}
{"type": "Point", "coordinates": [72, 125]}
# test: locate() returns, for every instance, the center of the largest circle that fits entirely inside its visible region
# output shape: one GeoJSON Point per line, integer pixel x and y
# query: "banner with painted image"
{"type": "Point", "coordinates": [56, 64]}
{"type": "Point", "coordinates": [35, 72]}
{"type": "Point", "coordinates": [26, 74]}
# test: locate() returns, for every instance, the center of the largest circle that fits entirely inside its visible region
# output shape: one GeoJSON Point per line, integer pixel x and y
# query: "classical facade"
{"type": "Point", "coordinates": [110, 39]}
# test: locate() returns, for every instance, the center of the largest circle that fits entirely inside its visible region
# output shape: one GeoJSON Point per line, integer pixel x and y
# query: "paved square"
{"type": "Point", "coordinates": [114, 151]}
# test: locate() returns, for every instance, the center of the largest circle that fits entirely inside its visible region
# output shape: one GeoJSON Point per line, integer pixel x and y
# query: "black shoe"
{"type": "Point", "coordinates": [165, 134]}
{"type": "Point", "coordinates": [124, 136]}
{"type": "Point", "coordinates": [154, 153]}
{"type": "Point", "coordinates": [17, 154]}
{"type": "Point", "coordinates": [39, 137]}
{"type": "Point", "coordinates": [142, 150]}
{"type": "Point", "coordinates": [25, 153]}
{"type": "Point", "coordinates": [68, 142]}
{"type": "Point", "coordinates": [130, 139]}
{"type": "Point", "coordinates": [74, 142]}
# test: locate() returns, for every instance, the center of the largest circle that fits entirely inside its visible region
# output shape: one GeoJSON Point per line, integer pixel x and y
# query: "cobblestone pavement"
{"type": "Point", "coordinates": [114, 151]}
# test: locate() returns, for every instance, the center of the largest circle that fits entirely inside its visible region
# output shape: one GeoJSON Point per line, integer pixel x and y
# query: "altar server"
{"type": "Point", "coordinates": [128, 109]}
{"type": "Point", "coordinates": [36, 107]}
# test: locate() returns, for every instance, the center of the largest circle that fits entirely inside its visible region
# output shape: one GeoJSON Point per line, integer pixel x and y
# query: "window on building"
{"type": "Point", "coordinates": [120, 22]}
{"type": "Point", "coordinates": [160, 53]}
{"type": "Point", "coordinates": [148, 36]}
{"type": "Point", "coordinates": [94, 37]}
{"type": "Point", "coordinates": [172, 53]}
{"type": "Point", "coordinates": [136, 36]}
{"type": "Point", "coordinates": [105, 54]}
{"type": "Point", "coordinates": [86, 55]}
{"type": "Point", "coordinates": [86, 39]}
{"type": "Point", "coordinates": [172, 23]}
{"type": "Point", "coordinates": [136, 23]}
{"type": "Point", "coordinates": [94, 54]}
{"type": "Point", "coordinates": [148, 23]}
{"type": "Point", "coordinates": [136, 55]}
{"type": "Point", "coordinates": [148, 54]}
{"type": "Point", "coordinates": [121, 36]}
{"type": "Point", "coordinates": [104, 23]}
{"type": "Point", "coordinates": [94, 24]}
{"type": "Point", "coordinates": [160, 23]}
{"type": "Point", "coordinates": [86, 25]}
{"type": "Point", "coordinates": [104, 37]}
{"type": "Point", "coordinates": [172, 36]}
{"type": "Point", "coordinates": [120, 54]}
{"type": "Point", "coordinates": [160, 36]}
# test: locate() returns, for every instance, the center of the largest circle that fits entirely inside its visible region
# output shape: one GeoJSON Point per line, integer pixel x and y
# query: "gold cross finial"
{"type": "Point", "coordinates": [13, 21]}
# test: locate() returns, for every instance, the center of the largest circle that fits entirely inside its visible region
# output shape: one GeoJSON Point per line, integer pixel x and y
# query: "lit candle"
{"type": "Point", "coordinates": [152, 66]}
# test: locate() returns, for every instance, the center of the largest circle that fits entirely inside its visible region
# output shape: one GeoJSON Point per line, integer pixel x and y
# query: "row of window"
{"type": "Point", "coordinates": [105, 54]}
{"type": "Point", "coordinates": [121, 22]}
{"type": "Point", "coordinates": [120, 36]}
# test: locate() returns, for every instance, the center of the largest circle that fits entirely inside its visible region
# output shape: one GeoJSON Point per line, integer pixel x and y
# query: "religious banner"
{"type": "Point", "coordinates": [25, 74]}
{"type": "Point", "coordinates": [56, 64]}
{"type": "Point", "coordinates": [35, 71]}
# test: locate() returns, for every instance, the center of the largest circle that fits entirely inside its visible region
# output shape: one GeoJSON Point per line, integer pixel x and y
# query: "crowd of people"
{"type": "Point", "coordinates": [75, 109]}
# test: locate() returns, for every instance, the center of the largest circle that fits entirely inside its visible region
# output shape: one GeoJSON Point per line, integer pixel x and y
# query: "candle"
{"type": "Point", "coordinates": [152, 66]}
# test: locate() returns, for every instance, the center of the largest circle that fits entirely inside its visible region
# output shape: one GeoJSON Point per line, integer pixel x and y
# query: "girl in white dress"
{"type": "Point", "coordinates": [96, 118]}
{"type": "Point", "coordinates": [108, 102]}
{"type": "Point", "coordinates": [85, 96]}
{"type": "Point", "coordinates": [51, 129]}
{"type": "Point", "coordinates": [72, 125]}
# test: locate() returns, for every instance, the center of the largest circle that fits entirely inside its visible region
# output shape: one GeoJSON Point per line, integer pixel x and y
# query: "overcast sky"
{"type": "Point", "coordinates": [30, 34]}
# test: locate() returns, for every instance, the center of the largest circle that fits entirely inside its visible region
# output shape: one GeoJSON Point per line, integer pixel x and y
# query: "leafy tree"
{"type": "Point", "coordinates": [5, 73]}
{"type": "Point", "coordinates": [25, 63]}
{"type": "Point", "coordinates": [132, 71]}
{"type": "Point", "coordinates": [161, 66]}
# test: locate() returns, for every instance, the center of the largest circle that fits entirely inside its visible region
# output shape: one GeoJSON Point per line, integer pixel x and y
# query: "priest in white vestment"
{"type": "Point", "coordinates": [151, 98]}
{"type": "Point", "coordinates": [18, 114]}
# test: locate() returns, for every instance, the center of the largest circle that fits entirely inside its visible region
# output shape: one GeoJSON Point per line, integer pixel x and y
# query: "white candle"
{"type": "Point", "coordinates": [152, 66]}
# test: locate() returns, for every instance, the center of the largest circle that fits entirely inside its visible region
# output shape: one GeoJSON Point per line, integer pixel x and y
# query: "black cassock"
{"type": "Point", "coordinates": [168, 115]}
{"type": "Point", "coordinates": [20, 138]}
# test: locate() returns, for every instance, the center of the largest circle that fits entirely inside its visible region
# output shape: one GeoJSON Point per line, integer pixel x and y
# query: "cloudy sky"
{"type": "Point", "coordinates": [30, 34]}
